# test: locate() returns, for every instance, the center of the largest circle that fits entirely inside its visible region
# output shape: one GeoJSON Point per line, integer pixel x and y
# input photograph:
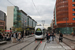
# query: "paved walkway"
{"type": "Point", "coordinates": [70, 37]}
{"type": "Point", "coordinates": [53, 46]}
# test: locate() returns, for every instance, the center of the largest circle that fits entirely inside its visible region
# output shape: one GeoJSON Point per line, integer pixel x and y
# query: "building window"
{"type": "Point", "coordinates": [73, 14]}
{"type": "Point", "coordinates": [73, 18]}
{"type": "Point", "coordinates": [73, 9]}
{"type": "Point", "coordinates": [73, 5]}
{"type": "Point", "coordinates": [73, 0]}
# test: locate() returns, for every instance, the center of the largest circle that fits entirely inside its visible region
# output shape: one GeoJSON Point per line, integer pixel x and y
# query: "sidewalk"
{"type": "Point", "coordinates": [53, 45]}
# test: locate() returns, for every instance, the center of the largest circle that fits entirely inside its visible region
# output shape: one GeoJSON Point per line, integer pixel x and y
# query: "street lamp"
{"type": "Point", "coordinates": [66, 23]}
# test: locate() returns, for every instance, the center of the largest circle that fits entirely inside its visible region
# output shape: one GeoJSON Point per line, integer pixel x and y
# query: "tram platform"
{"type": "Point", "coordinates": [53, 45]}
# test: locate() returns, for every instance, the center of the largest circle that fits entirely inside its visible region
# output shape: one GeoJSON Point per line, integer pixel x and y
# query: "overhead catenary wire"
{"type": "Point", "coordinates": [35, 7]}
{"type": "Point", "coordinates": [32, 2]}
{"type": "Point", "coordinates": [10, 2]}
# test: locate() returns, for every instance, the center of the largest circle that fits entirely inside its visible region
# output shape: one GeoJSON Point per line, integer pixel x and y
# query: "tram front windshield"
{"type": "Point", "coordinates": [38, 33]}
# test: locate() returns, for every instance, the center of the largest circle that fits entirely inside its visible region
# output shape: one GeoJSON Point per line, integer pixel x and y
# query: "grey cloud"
{"type": "Point", "coordinates": [44, 7]}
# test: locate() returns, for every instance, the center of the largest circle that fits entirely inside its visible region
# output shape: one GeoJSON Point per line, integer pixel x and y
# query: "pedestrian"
{"type": "Point", "coordinates": [47, 37]}
{"type": "Point", "coordinates": [53, 36]}
{"type": "Point", "coordinates": [8, 37]}
{"type": "Point", "coordinates": [16, 35]}
{"type": "Point", "coordinates": [19, 37]}
{"type": "Point", "coordinates": [50, 36]}
{"type": "Point", "coordinates": [14, 38]}
{"type": "Point", "coordinates": [72, 34]}
{"type": "Point", "coordinates": [22, 36]}
{"type": "Point", "coordinates": [5, 36]}
{"type": "Point", "coordinates": [1, 37]}
{"type": "Point", "coordinates": [60, 37]}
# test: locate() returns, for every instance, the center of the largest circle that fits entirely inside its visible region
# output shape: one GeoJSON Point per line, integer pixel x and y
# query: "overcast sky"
{"type": "Point", "coordinates": [45, 9]}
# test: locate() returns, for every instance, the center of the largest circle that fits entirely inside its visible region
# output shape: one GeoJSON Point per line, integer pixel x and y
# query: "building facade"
{"type": "Point", "coordinates": [52, 24]}
{"type": "Point", "coordinates": [64, 14]}
{"type": "Point", "coordinates": [2, 21]}
{"type": "Point", "coordinates": [12, 15]}
{"type": "Point", "coordinates": [2, 25]}
{"type": "Point", "coordinates": [18, 19]}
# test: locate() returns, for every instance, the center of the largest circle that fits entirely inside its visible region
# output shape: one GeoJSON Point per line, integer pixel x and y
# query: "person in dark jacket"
{"type": "Point", "coordinates": [60, 37]}
{"type": "Point", "coordinates": [16, 34]}
{"type": "Point", "coordinates": [48, 36]}
{"type": "Point", "coordinates": [52, 36]}
{"type": "Point", "coordinates": [1, 37]}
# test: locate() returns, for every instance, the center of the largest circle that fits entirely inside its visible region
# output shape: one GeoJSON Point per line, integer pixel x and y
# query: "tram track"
{"type": "Point", "coordinates": [37, 46]}
{"type": "Point", "coordinates": [32, 45]}
{"type": "Point", "coordinates": [73, 41]}
{"type": "Point", "coordinates": [68, 42]}
{"type": "Point", "coordinates": [26, 45]}
{"type": "Point", "coordinates": [16, 44]}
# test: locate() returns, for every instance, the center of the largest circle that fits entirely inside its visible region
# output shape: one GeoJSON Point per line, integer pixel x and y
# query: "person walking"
{"type": "Point", "coordinates": [8, 37]}
{"type": "Point", "coordinates": [19, 37]}
{"type": "Point", "coordinates": [52, 36]}
{"type": "Point", "coordinates": [47, 37]}
{"type": "Point", "coordinates": [1, 37]}
{"type": "Point", "coordinates": [72, 34]}
{"type": "Point", "coordinates": [5, 36]}
{"type": "Point", "coordinates": [14, 38]}
{"type": "Point", "coordinates": [60, 37]}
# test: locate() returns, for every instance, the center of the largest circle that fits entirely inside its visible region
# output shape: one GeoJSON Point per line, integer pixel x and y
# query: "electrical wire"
{"type": "Point", "coordinates": [35, 7]}
{"type": "Point", "coordinates": [10, 3]}
{"type": "Point", "coordinates": [32, 2]}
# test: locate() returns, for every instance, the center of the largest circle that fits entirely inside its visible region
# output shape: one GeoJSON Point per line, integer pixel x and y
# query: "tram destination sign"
{"type": "Point", "coordinates": [38, 29]}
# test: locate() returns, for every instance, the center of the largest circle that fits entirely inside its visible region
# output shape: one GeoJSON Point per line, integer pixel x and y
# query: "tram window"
{"type": "Point", "coordinates": [38, 33]}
